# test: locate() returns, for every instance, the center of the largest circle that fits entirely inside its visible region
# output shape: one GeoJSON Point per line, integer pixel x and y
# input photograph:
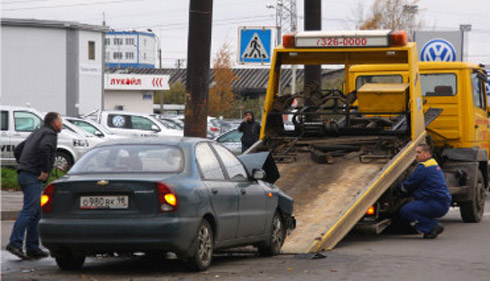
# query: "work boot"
{"type": "Point", "coordinates": [37, 254]}
{"type": "Point", "coordinates": [17, 251]}
{"type": "Point", "coordinates": [438, 229]}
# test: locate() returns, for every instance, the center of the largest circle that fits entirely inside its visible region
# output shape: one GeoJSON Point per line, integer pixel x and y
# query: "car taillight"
{"type": "Point", "coordinates": [167, 198]}
{"type": "Point", "coordinates": [214, 129]}
{"type": "Point", "coordinates": [370, 211]}
{"type": "Point", "coordinates": [47, 199]}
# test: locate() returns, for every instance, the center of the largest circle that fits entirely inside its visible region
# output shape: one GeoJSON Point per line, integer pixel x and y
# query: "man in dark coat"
{"type": "Point", "coordinates": [35, 157]}
{"type": "Point", "coordinates": [250, 129]}
{"type": "Point", "coordinates": [431, 196]}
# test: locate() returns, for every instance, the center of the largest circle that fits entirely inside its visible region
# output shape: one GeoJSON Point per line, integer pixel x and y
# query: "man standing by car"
{"type": "Point", "coordinates": [250, 129]}
{"type": "Point", "coordinates": [428, 187]}
{"type": "Point", "coordinates": [35, 157]}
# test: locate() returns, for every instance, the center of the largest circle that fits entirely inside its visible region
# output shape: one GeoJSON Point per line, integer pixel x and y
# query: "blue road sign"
{"type": "Point", "coordinates": [255, 45]}
{"type": "Point", "coordinates": [438, 50]}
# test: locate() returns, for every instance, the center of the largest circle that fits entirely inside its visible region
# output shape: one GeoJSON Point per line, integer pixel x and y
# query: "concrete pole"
{"type": "Point", "coordinates": [198, 54]}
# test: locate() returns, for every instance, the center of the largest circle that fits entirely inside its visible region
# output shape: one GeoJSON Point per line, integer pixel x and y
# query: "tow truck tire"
{"type": "Point", "coordinates": [63, 160]}
{"type": "Point", "coordinates": [272, 247]}
{"type": "Point", "coordinates": [472, 211]}
{"type": "Point", "coordinates": [69, 261]}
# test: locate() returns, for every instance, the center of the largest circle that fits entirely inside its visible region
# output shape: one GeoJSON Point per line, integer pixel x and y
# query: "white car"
{"type": "Point", "coordinates": [18, 123]}
{"type": "Point", "coordinates": [231, 140]}
{"type": "Point", "coordinates": [91, 138]}
{"type": "Point", "coordinates": [135, 124]}
{"type": "Point", "coordinates": [94, 128]}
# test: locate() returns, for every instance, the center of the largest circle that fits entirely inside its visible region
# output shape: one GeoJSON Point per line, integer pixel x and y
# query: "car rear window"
{"type": "Point", "coordinates": [131, 158]}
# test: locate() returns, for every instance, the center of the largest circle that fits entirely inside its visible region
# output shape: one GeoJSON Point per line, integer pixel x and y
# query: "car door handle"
{"type": "Point", "coordinates": [243, 191]}
{"type": "Point", "coordinates": [214, 190]}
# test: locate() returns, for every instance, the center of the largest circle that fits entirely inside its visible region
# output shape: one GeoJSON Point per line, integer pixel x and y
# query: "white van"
{"type": "Point", "coordinates": [16, 125]}
{"type": "Point", "coordinates": [135, 124]}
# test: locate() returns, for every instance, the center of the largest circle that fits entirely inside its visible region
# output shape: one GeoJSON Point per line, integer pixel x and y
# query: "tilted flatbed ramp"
{"type": "Point", "coordinates": [331, 199]}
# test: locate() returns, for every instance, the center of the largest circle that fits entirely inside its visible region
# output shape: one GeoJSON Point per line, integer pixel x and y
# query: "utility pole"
{"type": "Point", "coordinates": [198, 54]}
{"type": "Point", "coordinates": [313, 21]}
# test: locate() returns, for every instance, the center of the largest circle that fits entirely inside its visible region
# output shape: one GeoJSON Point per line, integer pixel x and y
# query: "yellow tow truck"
{"type": "Point", "coordinates": [349, 146]}
{"type": "Point", "coordinates": [460, 134]}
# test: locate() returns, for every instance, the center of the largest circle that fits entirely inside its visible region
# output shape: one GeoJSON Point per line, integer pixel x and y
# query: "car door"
{"type": "Point", "coordinates": [252, 196]}
{"type": "Point", "coordinates": [480, 111]}
{"type": "Point", "coordinates": [6, 144]}
{"type": "Point", "coordinates": [223, 194]}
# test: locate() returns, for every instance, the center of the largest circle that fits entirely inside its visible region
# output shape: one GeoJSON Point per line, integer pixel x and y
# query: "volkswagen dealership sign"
{"type": "Point", "coordinates": [439, 45]}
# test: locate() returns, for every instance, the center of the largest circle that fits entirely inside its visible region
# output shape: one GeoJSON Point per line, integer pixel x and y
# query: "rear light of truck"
{"type": "Point", "coordinates": [47, 199]}
{"type": "Point", "coordinates": [167, 198]}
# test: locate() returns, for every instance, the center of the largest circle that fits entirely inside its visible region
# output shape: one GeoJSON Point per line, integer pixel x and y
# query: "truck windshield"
{"type": "Point", "coordinates": [438, 84]}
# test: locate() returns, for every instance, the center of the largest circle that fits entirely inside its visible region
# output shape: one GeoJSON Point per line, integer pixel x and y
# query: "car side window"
{"type": "Point", "coordinates": [233, 136]}
{"type": "Point", "coordinates": [233, 166]}
{"type": "Point", "coordinates": [208, 163]}
{"type": "Point", "coordinates": [86, 126]}
{"type": "Point", "coordinates": [26, 121]}
{"type": "Point", "coordinates": [119, 121]}
{"type": "Point", "coordinates": [142, 123]}
{"type": "Point", "coordinates": [5, 120]}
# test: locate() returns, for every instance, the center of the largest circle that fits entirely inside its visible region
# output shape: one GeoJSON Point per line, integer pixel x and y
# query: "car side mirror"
{"type": "Point", "coordinates": [98, 134]}
{"type": "Point", "coordinates": [154, 128]}
{"type": "Point", "coordinates": [259, 174]}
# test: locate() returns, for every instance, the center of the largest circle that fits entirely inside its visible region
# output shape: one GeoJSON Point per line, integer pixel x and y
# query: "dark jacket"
{"type": "Point", "coordinates": [427, 182]}
{"type": "Point", "coordinates": [36, 154]}
{"type": "Point", "coordinates": [251, 131]}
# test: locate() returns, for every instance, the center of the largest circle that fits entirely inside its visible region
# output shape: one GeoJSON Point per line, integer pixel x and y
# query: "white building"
{"type": "Point", "coordinates": [52, 65]}
{"type": "Point", "coordinates": [132, 92]}
{"type": "Point", "coordinates": [130, 49]}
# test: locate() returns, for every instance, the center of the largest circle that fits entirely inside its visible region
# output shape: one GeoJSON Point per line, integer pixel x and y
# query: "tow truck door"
{"type": "Point", "coordinates": [482, 126]}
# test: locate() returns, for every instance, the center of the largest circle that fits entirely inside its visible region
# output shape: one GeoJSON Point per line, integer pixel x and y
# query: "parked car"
{"type": "Point", "coordinates": [18, 122]}
{"type": "Point", "coordinates": [189, 196]}
{"type": "Point", "coordinates": [93, 128]}
{"type": "Point", "coordinates": [231, 140]}
{"type": "Point", "coordinates": [91, 138]}
{"type": "Point", "coordinates": [135, 124]}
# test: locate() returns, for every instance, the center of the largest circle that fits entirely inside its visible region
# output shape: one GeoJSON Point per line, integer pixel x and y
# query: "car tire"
{"type": "Point", "coordinates": [63, 161]}
{"type": "Point", "coordinates": [203, 248]}
{"type": "Point", "coordinates": [69, 261]}
{"type": "Point", "coordinates": [275, 239]}
{"type": "Point", "coordinates": [472, 211]}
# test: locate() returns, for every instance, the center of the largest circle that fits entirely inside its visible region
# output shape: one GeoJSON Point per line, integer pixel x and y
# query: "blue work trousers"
{"type": "Point", "coordinates": [422, 214]}
{"type": "Point", "coordinates": [30, 215]}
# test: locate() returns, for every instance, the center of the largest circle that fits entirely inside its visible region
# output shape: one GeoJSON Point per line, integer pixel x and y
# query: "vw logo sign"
{"type": "Point", "coordinates": [438, 50]}
{"type": "Point", "coordinates": [118, 121]}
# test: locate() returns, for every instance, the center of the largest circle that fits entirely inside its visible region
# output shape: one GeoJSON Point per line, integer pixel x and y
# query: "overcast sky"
{"type": "Point", "coordinates": [169, 18]}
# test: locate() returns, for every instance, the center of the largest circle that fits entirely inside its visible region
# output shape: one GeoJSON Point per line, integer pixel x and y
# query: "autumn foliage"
{"type": "Point", "coordinates": [221, 98]}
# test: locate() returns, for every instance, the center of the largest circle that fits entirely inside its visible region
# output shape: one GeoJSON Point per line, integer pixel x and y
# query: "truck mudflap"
{"type": "Point", "coordinates": [333, 198]}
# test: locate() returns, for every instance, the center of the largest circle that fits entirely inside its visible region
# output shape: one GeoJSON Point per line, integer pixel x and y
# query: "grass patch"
{"type": "Point", "coordinates": [9, 178]}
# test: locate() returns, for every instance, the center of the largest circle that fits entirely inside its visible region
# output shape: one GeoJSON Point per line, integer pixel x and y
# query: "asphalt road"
{"type": "Point", "coordinates": [462, 252]}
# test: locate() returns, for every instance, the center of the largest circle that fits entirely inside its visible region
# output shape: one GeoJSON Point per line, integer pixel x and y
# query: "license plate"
{"type": "Point", "coordinates": [104, 202]}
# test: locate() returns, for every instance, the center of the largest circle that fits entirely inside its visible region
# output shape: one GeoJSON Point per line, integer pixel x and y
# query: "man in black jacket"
{"type": "Point", "coordinates": [250, 129]}
{"type": "Point", "coordinates": [35, 158]}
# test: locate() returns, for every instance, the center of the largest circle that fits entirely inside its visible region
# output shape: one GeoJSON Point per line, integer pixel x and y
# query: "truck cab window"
{"type": "Point", "coordinates": [478, 93]}
{"type": "Point", "coordinates": [361, 80]}
{"type": "Point", "coordinates": [438, 84]}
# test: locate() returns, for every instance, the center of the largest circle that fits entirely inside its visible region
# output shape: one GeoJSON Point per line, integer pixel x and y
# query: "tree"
{"type": "Point", "coordinates": [221, 96]}
{"type": "Point", "coordinates": [176, 95]}
{"type": "Point", "coordinates": [390, 14]}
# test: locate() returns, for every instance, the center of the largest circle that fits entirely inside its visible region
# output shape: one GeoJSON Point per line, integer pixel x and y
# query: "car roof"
{"type": "Point", "coordinates": [170, 140]}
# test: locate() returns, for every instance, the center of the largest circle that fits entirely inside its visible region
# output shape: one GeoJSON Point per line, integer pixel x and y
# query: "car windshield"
{"type": "Point", "coordinates": [129, 158]}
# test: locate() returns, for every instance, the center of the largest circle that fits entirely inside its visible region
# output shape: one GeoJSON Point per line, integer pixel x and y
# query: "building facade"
{"type": "Point", "coordinates": [130, 49]}
{"type": "Point", "coordinates": [52, 65]}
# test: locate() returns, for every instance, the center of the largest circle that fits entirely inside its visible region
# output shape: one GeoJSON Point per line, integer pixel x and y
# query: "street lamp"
{"type": "Point", "coordinates": [291, 13]}
{"type": "Point", "coordinates": [159, 52]}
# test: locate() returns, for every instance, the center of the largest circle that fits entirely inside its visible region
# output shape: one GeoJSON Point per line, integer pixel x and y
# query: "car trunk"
{"type": "Point", "coordinates": [105, 197]}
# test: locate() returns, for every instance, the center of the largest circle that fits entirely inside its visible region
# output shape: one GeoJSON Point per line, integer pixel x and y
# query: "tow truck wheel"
{"type": "Point", "coordinates": [272, 246]}
{"type": "Point", "coordinates": [472, 211]}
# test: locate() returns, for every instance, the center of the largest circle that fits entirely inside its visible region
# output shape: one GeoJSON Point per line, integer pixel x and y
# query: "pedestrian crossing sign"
{"type": "Point", "coordinates": [255, 44]}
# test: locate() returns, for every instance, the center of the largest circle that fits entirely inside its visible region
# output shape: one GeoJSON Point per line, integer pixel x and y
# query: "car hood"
{"type": "Point", "coordinates": [261, 160]}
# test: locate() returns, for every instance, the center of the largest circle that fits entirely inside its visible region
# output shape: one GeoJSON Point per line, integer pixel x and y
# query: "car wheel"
{"type": "Point", "coordinates": [472, 211]}
{"type": "Point", "coordinates": [272, 246]}
{"type": "Point", "coordinates": [69, 261]}
{"type": "Point", "coordinates": [203, 248]}
{"type": "Point", "coordinates": [62, 161]}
